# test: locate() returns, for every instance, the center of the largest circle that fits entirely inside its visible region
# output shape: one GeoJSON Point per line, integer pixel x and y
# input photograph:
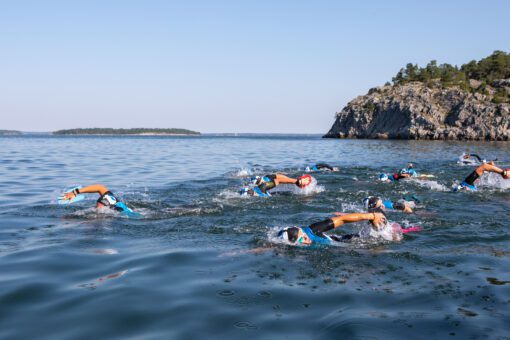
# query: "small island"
{"type": "Point", "coordinates": [131, 132]}
{"type": "Point", "coordinates": [10, 133]}
{"type": "Point", "coordinates": [445, 102]}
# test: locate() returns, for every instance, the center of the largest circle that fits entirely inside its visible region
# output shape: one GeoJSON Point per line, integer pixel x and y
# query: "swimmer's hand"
{"type": "Point", "coordinates": [506, 174]}
{"type": "Point", "coordinates": [69, 196]}
{"type": "Point", "coordinates": [379, 221]}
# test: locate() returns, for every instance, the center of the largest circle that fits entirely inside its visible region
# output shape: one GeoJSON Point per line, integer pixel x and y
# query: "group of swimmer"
{"type": "Point", "coordinates": [316, 232]}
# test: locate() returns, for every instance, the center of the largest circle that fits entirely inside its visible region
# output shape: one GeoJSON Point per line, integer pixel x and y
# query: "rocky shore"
{"type": "Point", "coordinates": [418, 111]}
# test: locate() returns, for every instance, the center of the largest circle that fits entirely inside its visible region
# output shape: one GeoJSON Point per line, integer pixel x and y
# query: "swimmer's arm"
{"type": "Point", "coordinates": [282, 179]}
{"type": "Point", "coordinates": [476, 156]}
{"type": "Point", "coordinates": [375, 218]}
{"type": "Point", "coordinates": [95, 188]}
{"type": "Point", "coordinates": [490, 167]}
{"type": "Point", "coordinates": [91, 189]}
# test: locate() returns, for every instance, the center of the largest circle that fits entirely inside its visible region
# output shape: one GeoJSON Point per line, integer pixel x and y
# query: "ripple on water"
{"type": "Point", "coordinates": [203, 263]}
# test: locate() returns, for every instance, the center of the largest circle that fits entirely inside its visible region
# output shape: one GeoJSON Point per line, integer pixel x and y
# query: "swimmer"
{"type": "Point", "coordinates": [314, 234]}
{"type": "Point", "coordinates": [265, 183]}
{"type": "Point", "coordinates": [376, 204]}
{"type": "Point", "coordinates": [106, 199]}
{"type": "Point", "coordinates": [470, 158]}
{"type": "Point", "coordinates": [469, 182]}
{"type": "Point", "coordinates": [404, 173]}
{"type": "Point", "coordinates": [321, 166]}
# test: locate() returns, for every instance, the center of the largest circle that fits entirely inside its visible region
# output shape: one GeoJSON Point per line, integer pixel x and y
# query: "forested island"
{"type": "Point", "coordinates": [134, 131]}
{"type": "Point", "coordinates": [470, 102]}
{"type": "Point", "coordinates": [9, 133]}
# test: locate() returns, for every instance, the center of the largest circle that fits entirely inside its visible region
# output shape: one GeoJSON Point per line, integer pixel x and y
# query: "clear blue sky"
{"type": "Point", "coordinates": [222, 66]}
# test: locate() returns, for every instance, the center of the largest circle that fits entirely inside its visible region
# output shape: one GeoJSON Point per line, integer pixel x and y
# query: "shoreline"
{"type": "Point", "coordinates": [125, 134]}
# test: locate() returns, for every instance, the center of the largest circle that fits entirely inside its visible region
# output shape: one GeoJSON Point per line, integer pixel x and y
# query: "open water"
{"type": "Point", "coordinates": [203, 262]}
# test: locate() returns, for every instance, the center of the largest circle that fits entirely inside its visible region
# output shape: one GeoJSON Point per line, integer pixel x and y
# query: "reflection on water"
{"type": "Point", "coordinates": [203, 262]}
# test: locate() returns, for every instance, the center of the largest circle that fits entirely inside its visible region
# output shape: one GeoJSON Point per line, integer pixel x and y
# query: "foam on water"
{"type": "Point", "coordinates": [431, 184]}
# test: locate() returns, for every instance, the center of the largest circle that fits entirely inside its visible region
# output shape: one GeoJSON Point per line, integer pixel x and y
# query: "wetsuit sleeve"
{"type": "Point", "coordinates": [471, 178]}
{"type": "Point", "coordinates": [476, 156]}
{"type": "Point", "coordinates": [322, 226]}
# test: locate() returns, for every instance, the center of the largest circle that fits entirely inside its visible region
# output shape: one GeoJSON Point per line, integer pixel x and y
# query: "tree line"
{"type": "Point", "coordinates": [134, 131]}
{"type": "Point", "coordinates": [485, 71]}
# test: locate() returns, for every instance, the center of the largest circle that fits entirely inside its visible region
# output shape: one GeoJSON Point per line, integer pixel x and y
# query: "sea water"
{"type": "Point", "coordinates": [203, 261]}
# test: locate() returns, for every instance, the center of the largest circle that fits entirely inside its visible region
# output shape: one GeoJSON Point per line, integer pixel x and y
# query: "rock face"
{"type": "Point", "coordinates": [415, 111]}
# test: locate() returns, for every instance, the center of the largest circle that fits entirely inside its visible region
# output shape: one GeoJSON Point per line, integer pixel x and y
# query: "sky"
{"type": "Point", "coordinates": [272, 66]}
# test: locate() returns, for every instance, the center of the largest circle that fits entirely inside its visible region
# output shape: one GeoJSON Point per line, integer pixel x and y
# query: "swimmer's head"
{"type": "Point", "coordinates": [371, 202]}
{"type": "Point", "coordinates": [403, 171]}
{"type": "Point", "coordinates": [383, 177]}
{"type": "Point", "coordinates": [410, 166]}
{"type": "Point", "coordinates": [290, 234]}
{"type": "Point", "coordinates": [255, 180]}
{"type": "Point", "coordinates": [308, 169]}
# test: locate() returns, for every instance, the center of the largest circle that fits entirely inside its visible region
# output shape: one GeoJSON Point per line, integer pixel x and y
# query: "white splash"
{"type": "Point", "coordinates": [495, 181]}
{"type": "Point", "coordinates": [433, 185]}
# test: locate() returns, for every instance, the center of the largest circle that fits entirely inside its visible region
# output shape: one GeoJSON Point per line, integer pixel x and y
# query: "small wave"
{"type": "Point", "coordinates": [493, 180]}
{"type": "Point", "coordinates": [98, 213]}
{"type": "Point", "coordinates": [430, 184]}
{"type": "Point", "coordinates": [243, 172]}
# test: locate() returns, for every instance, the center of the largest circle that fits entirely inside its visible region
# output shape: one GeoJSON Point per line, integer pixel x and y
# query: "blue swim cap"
{"type": "Point", "coordinates": [255, 180]}
{"type": "Point", "coordinates": [383, 177]}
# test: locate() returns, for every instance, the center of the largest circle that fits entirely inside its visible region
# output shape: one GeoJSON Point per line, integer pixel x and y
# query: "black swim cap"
{"type": "Point", "coordinates": [291, 234]}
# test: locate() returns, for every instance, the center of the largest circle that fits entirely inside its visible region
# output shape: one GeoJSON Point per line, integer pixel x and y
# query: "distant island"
{"type": "Point", "coordinates": [9, 133]}
{"type": "Point", "coordinates": [135, 131]}
{"type": "Point", "coordinates": [434, 102]}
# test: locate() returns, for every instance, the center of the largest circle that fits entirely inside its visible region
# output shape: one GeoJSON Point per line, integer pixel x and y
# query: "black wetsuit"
{"type": "Point", "coordinates": [264, 186]}
{"type": "Point", "coordinates": [471, 178]}
{"type": "Point", "coordinates": [321, 166]}
{"type": "Point", "coordinates": [319, 228]}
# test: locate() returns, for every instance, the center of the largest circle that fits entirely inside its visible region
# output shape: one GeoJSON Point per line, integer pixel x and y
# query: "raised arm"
{"type": "Point", "coordinates": [490, 167]}
{"type": "Point", "coordinates": [91, 189]}
{"type": "Point", "coordinates": [377, 219]}
{"type": "Point", "coordinates": [282, 179]}
{"type": "Point", "coordinates": [476, 156]}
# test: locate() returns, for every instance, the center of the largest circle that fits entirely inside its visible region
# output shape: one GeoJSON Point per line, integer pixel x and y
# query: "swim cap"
{"type": "Point", "coordinates": [370, 202]}
{"type": "Point", "coordinates": [383, 177]}
{"type": "Point", "coordinates": [307, 169]}
{"type": "Point", "coordinates": [255, 180]}
{"type": "Point", "coordinates": [304, 181]}
{"type": "Point", "coordinates": [289, 234]}
{"type": "Point", "coordinates": [403, 171]}
{"type": "Point", "coordinates": [110, 199]}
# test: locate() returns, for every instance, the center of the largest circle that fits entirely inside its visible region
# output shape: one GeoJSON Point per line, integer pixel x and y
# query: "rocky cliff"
{"type": "Point", "coordinates": [417, 111]}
